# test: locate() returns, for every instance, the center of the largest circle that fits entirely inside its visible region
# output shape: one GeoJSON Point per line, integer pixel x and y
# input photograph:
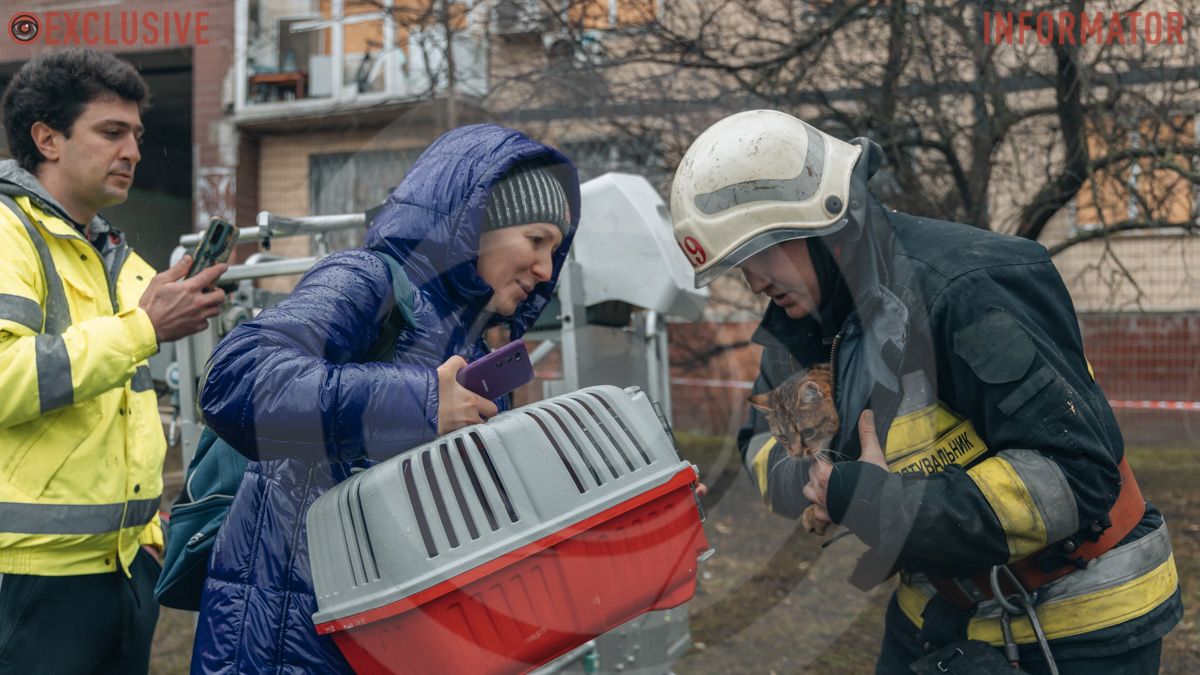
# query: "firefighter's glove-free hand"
{"type": "Point", "coordinates": [819, 471]}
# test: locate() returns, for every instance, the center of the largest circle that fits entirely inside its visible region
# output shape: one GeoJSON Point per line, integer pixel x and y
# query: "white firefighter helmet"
{"type": "Point", "coordinates": [753, 180]}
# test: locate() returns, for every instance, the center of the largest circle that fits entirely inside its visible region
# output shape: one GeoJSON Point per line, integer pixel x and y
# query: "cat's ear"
{"type": "Point", "coordinates": [759, 401]}
{"type": "Point", "coordinates": [810, 393]}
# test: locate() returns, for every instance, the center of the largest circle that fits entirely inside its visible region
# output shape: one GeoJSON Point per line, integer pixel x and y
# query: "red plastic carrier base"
{"type": "Point", "coordinates": [538, 602]}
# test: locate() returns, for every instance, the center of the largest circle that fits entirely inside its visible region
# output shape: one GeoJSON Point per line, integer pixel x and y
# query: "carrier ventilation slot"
{"type": "Point", "coordinates": [436, 489]}
{"type": "Point", "coordinates": [347, 546]}
{"type": "Point", "coordinates": [561, 455]}
{"type": "Point", "coordinates": [591, 440]}
{"type": "Point", "coordinates": [478, 487]}
{"type": "Point", "coordinates": [607, 433]}
{"type": "Point", "coordinates": [361, 535]}
{"type": "Point", "coordinates": [487, 460]}
{"type": "Point", "coordinates": [349, 534]}
{"type": "Point", "coordinates": [458, 493]}
{"type": "Point", "coordinates": [410, 484]}
{"type": "Point", "coordinates": [578, 450]}
{"type": "Point", "coordinates": [621, 423]}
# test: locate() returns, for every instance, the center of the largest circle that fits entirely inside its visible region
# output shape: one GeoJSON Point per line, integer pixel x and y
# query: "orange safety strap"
{"type": "Point", "coordinates": [1125, 514]}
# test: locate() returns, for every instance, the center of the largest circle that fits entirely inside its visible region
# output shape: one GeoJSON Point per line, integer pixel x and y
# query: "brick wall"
{"type": "Point", "coordinates": [1147, 364]}
{"type": "Point", "coordinates": [214, 145]}
{"type": "Point", "coordinates": [283, 179]}
{"type": "Point", "coordinates": [709, 394]}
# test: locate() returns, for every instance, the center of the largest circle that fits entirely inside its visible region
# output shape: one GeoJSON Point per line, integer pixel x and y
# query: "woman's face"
{"type": "Point", "coordinates": [513, 260]}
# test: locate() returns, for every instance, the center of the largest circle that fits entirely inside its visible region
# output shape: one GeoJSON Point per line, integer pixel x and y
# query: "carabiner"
{"type": "Point", "coordinates": [1010, 646]}
{"type": "Point", "coordinates": [1027, 601]}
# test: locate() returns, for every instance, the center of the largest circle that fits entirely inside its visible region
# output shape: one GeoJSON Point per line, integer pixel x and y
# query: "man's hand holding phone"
{"type": "Point", "coordinates": [181, 309]}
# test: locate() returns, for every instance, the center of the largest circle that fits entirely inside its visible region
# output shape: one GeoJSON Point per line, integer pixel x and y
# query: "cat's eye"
{"type": "Point", "coordinates": [807, 433]}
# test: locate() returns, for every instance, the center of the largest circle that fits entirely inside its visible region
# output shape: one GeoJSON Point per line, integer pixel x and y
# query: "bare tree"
{"type": "Point", "coordinates": [982, 121]}
{"type": "Point", "coordinates": [922, 79]}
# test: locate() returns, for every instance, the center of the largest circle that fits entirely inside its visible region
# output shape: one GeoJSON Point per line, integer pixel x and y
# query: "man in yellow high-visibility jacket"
{"type": "Point", "coordinates": [81, 444]}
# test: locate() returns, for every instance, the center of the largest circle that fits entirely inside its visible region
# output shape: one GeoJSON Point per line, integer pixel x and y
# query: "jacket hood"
{"type": "Point", "coordinates": [864, 281]}
{"type": "Point", "coordinates": [852, 265]}
{"type": "Point", "coordinates": [431, 223]}
{"type": "Point", "coordinates": [17, 182]}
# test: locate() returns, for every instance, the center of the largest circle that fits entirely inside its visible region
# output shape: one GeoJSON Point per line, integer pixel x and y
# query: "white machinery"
{"type": "Point", "coordinates": [622, 281]}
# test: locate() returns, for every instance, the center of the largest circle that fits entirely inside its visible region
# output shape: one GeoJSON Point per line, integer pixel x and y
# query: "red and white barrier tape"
{"type": "Point", "coordinates": [716, 384]}
{"type": "Point", "coordinates": [1156, 405]}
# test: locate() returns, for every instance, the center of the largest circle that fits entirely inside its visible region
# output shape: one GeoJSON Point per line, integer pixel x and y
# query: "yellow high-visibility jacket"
{"type": "Point", "coordinates": [81, 441]}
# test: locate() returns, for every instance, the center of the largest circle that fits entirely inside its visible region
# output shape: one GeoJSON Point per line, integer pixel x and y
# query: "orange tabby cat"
{"type": "Point", "coordinates": [803, 418]}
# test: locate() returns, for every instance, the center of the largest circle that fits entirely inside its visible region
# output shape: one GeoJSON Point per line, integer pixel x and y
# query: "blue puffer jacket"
{"type": "Point", "coordinates": [290, 390]}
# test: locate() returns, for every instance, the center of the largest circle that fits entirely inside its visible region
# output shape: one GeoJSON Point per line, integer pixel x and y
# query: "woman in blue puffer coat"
{"type": "Point", "coordinates": [480, 226]}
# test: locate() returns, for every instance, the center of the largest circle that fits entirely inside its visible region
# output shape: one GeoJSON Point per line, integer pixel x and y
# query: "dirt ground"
{"type": "Point", "coordinates": [773, 601]}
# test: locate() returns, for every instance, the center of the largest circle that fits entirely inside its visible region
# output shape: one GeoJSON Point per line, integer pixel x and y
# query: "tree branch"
{"type": "Point", "coordinates": [1124, 226]}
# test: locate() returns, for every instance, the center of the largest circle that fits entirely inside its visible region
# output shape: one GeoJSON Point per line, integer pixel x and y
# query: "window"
{"type": "Point", "coordinates": [335, 49]}
{"type": "Point", "coordinates": [602, 14]}
{"type": "Point", "coordinates": [352, 183]}
{"type": "Point", "coordinates": [1137, 189]}
{"type": "Point", "coordinates": [596, 157]}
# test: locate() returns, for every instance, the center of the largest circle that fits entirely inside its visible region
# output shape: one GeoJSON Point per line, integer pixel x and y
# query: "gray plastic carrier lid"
{"type": "Point", "coordinates": [448, 506]}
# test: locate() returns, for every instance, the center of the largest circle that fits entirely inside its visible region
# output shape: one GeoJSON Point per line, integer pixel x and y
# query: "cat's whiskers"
{"type": "Point", "coordinates": [838, 456]}
{"type": "Point", "coordinates": [822, 456]}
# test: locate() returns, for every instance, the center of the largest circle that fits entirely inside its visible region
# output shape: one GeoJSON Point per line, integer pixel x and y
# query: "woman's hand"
{"type": "Point", "coordinates": [458, 406]}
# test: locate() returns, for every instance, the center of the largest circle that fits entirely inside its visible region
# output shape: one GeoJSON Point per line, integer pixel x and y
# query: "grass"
{"type": "Point", "coordinates": [772, 601]}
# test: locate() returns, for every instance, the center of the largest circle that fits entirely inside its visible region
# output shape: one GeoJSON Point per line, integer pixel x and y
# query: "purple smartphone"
{"type": "Point", "coordinates": [499, 372]}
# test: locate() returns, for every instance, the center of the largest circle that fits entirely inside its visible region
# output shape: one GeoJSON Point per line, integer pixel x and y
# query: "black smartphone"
{"type": "Point", "coordinates": [215, 246]}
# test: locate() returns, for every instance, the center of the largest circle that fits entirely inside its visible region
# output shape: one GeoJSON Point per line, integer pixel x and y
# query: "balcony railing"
{"type": "Point", "coordinates": [317, 54]}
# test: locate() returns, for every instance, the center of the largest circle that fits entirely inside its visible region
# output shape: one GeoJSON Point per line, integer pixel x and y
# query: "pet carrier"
{"type": "Point", "coordinates": [500, 546]}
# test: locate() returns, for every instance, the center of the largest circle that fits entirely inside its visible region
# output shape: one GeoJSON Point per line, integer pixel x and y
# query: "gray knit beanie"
{"type": "Point", "coordinates": [528, 193]}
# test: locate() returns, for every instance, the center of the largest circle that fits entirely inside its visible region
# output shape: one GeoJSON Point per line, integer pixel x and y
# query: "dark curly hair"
{"type": "Point", "coordinates": [55, 87]}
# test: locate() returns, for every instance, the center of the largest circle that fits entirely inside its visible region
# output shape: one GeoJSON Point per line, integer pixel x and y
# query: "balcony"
{"type": "Point", "coordinates": [300, 58]}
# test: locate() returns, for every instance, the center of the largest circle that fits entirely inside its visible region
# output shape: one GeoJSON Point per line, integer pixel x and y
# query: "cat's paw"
{"type": "Point", "coordinates": [812, 521]}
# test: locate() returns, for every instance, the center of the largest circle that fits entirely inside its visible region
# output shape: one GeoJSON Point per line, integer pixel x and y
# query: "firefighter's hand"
{"type": "Point", "coordinates": [869, 440]}
{"type": "Point", "coordinates": [458, 406]}
{"type": "Point", "coordinates": [178, 310]}
{"type": "Point", "coordinates": [818, 472]}
{"type": "Point", "coordinates": [816, 489]}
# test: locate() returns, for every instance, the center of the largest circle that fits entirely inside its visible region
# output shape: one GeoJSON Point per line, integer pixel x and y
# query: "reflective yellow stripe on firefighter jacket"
{"type": "Point", "coordinates": [1122, 585]}
{"type": "Point", "coordinates": [81, 442]}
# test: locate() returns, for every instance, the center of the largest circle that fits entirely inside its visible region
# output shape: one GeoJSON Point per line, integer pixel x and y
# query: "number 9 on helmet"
{"type": "Point", "coordinates": [755, 179]}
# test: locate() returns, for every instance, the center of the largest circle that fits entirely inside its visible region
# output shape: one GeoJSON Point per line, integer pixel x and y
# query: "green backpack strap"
{"type": "Point", "coordinates": [210, 484]}
{"type": "Point", "coordinates": [401, 315]}
{"type": "Point", "coordinates": [215, 472]}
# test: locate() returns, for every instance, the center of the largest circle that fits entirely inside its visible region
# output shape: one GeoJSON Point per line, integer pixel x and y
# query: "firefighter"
{"type": "Point", "coordinates": [976, 452]}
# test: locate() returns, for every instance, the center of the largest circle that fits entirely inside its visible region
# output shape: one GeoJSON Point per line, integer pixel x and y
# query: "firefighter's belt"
{"type": "Point", "coordinates": [1125, 515]}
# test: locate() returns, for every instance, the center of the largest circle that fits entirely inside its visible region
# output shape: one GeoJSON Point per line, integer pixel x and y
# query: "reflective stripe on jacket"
{"type": "Point", "coordinates": [1033, 502]}
{"type": "Point", "coordinates": [81, 441]}
{"type": "Point", "coordinates": [1122, 585]}
{"type": "Point", "coordinates": [998, 440]}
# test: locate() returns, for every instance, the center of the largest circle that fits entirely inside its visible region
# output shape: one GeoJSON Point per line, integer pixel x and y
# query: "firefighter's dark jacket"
{"type": "Point", "coordinates": [966, 346]}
